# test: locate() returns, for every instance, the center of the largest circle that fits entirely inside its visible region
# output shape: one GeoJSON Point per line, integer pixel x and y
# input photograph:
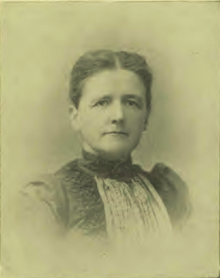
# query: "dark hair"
{"type": "Point", "coordinates": [95, 61]}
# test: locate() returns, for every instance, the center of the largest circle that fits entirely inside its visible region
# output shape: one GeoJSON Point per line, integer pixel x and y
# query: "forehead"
{"type": "Point", "coordinates": [117, 81]}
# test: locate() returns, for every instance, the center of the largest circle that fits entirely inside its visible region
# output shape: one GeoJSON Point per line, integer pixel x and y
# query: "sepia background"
{"type": "Point", "coordinates": [40, 43]}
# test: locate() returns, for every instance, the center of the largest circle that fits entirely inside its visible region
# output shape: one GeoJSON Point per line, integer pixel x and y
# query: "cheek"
{"type": "Point", "coordinates": [91, 124]}
{"type": "Point", "coordinates": [136, 122]}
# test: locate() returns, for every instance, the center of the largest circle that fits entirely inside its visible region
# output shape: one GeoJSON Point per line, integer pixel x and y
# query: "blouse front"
{"type": "Point", "coordinates": [134, 211]}
{"type": "Point", "coordinates": [114, 200]}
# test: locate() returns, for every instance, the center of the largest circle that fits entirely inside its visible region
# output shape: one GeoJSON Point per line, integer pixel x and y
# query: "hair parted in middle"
{"type": "Point", "coordinates": [93, 62]}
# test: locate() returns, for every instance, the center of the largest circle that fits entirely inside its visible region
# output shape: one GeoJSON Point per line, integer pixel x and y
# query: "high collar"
{"type": "Point", "coordinates": [100, 166]}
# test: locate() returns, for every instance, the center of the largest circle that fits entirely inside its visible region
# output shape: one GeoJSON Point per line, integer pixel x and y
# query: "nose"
{"type": "Point", "coordinates": [117, 113]}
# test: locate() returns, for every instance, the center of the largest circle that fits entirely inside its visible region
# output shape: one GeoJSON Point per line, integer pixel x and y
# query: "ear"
{"type": "Point", "coordinates": [145, 125]}
{"type": "Point", "coordinates": [74, 117]}
{"type": "Point", "coordinates": [145, 121]}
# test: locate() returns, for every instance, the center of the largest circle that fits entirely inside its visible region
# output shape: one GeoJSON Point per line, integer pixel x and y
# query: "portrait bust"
{"type": "Point", "coordinates": [103, 195]}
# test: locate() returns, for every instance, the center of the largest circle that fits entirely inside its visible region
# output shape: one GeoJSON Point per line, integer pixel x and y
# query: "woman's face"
{"type": "Point", "coordinates": [112, 113]}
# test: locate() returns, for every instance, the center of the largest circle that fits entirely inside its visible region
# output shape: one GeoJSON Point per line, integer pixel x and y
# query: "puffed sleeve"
{"type": "Point", "coordinates": [37, 224]}
{"type": "Point", "coordinates": [43, 203]}
{"type": "Point", "coordinates": [174, 193]}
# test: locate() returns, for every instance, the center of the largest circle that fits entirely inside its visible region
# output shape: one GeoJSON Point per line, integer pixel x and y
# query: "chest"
{"type": "Point", "coordinates": [107, 207]}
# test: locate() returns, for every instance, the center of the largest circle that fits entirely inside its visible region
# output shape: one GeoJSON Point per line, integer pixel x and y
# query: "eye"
{"type": "Point", "coordinates": [103, 102]}
{"type": "Point", "coordinates": [132, 103]}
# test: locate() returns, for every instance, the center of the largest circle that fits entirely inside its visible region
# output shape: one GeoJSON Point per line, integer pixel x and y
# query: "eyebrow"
{"type": "Point", "coordinates": [126, 96]}
{"type": "Point", "coordinates": [101, 97]}
{"type": "Point", "coordinates": [139, 98]}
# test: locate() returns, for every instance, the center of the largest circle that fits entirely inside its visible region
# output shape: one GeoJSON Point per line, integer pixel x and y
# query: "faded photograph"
{"type": "Point", "coordinates": [110, 139]}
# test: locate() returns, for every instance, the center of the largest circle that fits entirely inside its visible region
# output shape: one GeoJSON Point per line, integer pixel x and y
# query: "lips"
{"type": "Point", "coordinates": [117, 133]}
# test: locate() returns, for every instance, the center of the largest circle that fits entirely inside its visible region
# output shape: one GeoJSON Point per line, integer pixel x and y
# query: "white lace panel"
{"type": "Point", "coordinates": [134, 212]}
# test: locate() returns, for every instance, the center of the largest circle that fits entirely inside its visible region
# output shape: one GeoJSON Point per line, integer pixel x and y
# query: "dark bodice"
{"type": "Point", "coordinates": [73, 199]}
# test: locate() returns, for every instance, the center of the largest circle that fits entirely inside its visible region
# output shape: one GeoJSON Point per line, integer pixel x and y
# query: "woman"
{"type": "Point", "coordinates": [103, 195]}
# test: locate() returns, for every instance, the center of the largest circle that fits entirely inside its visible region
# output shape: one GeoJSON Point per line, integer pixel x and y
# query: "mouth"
{"type": "Point", "coordinates": [117, 133]}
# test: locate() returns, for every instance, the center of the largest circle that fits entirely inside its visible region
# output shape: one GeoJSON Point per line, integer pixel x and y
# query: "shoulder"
{"type": "Point", "coordinates": [173, 191]}
{"type": "Point", "coordinates": [49, 185]}
{"type": "Point", "coordinates": [46, 192]}
{"type": "Point", "coordinates": [60, 193]}
{"type": "Point", "coordinates": [44, 196]}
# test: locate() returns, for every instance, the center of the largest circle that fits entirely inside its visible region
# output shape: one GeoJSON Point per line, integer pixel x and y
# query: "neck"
{"type": "Point", "coordinates": [104, 166]}
{"type": "Point", "coordinates": [114, 157]}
